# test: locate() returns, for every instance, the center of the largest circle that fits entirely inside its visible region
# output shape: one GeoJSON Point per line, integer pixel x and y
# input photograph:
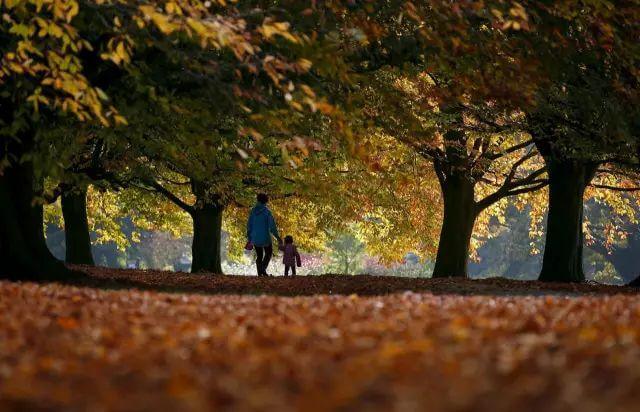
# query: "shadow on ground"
{"type": "Point", "coordinates": [364, 285]}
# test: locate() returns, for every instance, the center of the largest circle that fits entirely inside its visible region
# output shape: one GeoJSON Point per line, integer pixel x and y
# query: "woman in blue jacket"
{"type": "Point", "coordinates": [260, 227]}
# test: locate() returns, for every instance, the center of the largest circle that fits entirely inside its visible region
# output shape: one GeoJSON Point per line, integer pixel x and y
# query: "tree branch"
{"type": "Point", "coordinates": [157, 187]}
{"type": "Point", "coordinates": [514, 148]}
{"type": "Point", "coordinates": [55, 194]}
{"type": "Point", "coordinates": [529, 189]}
{"type": "Point", "coordinates": [616, 188]}
{"type": "Point", "coordinates": [511, 187]}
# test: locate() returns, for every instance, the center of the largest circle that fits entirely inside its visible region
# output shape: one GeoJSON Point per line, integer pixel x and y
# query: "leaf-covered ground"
{"type": "Point", "coordinates": [327, 284]}
{"type": "Point", "coordinates": [80, 348]}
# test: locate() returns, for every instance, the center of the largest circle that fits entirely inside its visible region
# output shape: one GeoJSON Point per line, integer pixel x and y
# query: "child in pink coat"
{"type": "Point", "coordinates": [290, 257]}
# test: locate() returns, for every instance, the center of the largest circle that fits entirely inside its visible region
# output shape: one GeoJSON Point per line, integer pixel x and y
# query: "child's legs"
{"type": "Point", "coordinates": [286, 270]}
{"type": "Point", "coordinates": [293, 270]}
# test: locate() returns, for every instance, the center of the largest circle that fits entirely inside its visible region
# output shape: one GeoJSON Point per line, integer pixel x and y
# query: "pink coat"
{"type": "Point", "coordinates": [290, 257]}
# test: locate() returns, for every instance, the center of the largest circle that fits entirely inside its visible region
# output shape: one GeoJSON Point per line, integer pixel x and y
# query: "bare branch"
{"type": "Point", "coordinates": [514, 148]}
{"type": "Point", "coordinates": [529, 189]}
{"type": "Point", "coordinates": [157, 187]}
{"type": "Point", "coordinates": [616, 188]}
{"type": "Point", "coordinates": [515, 187]}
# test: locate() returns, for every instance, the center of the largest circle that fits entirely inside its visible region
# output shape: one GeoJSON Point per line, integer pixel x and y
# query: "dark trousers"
{"type": "Point", "coordinates": [263, 254]}
{"type": "Point", "coordinates": [286, 270]}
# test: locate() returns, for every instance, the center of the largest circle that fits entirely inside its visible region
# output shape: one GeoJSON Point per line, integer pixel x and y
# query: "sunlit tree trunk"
{"type": "Point", "coordinates": [76, 227]}
{"type": "Point", "coordinates": [562, 261]}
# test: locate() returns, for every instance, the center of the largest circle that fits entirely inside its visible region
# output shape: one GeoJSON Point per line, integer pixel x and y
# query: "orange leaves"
{"type": "Point", "coordinates": [67, 323]}
{"type": "Point", "coordinates": [71, 348]}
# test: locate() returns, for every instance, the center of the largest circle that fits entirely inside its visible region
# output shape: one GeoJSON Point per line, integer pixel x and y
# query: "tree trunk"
{"type": "Point", "coordinates": [76, 227]}
{"type": "Point", "coordinates": [457, 227]}
{"type": "Point", "coordinates": [562, 261]}
{"type": "Point", "coordinates": [23, 250]}
{"type": "Point", "coordinates": [207, 230]}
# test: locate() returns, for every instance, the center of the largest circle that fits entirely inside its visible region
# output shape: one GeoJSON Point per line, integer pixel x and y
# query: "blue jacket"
{"type": "Point", "coordinates": [261, 226]}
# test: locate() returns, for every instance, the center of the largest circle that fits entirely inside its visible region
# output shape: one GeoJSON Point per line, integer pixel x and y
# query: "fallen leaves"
{"type": "Point", "coordinates": [68, 323]}
{"type": "Point", "coordinates": [330, 284]}
{"type": "Point", "coordinates": [79, 348]}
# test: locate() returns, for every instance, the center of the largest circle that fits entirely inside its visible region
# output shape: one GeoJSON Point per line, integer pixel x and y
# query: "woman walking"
{"type": "Point", "coordinates": [260, 227]}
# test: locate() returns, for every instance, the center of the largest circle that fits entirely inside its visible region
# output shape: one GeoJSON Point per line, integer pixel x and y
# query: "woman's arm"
{"type": "Point", "coordinates": [273, 228]}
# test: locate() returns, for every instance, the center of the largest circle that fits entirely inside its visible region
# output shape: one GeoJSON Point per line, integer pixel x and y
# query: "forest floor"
{"type": "Point", "coordinates": [229, 343]}
{"type": "Point", "coordinates": [329, 284]}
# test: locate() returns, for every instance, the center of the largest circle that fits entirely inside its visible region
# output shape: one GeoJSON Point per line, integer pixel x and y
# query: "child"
{"type": "Point", "coordinates": [290, 257]}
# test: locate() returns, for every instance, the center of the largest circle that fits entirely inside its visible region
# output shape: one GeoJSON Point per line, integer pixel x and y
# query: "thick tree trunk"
{"type": "Point", "coordinates": [76, 227]}
{"type": "Point", "coordinates": [23, 250]}
{"type": "Point", "coordinates": [457, 227]}
{"type": "Point", "coordinates": [207, 230]}
{"type": "Point", "coordinates": [562, 261]}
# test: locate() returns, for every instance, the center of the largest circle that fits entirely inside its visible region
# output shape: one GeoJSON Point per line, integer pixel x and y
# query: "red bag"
{"type": "Point", "coordinates": [249, 246]}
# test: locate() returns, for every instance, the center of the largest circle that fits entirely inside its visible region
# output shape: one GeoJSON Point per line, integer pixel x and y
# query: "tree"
{"type": "Point", "coordinates": [582, 117]}
{"type": "Point", "coordinates": [431, 75]}
{"type": "Point", "coordinates": [571, 68]}
{"type": "Point", "coordinates": [477, 152]}
{"type": "Point", "coordinates": [84, 167]}
{"type": "Point", "coordinates": [54, 55]}
{"type": "Point", "coordinates": [346, 254]}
